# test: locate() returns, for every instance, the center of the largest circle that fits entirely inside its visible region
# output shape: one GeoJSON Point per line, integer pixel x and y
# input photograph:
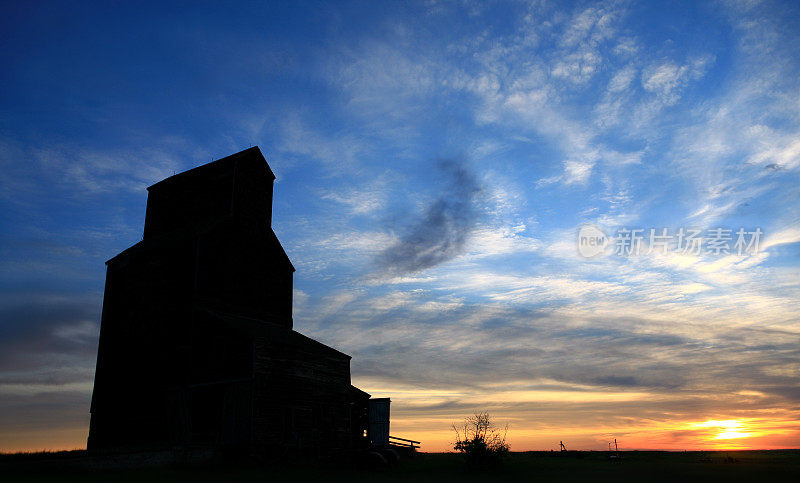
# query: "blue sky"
{"type": "Point", "coordinates": [435, 161]}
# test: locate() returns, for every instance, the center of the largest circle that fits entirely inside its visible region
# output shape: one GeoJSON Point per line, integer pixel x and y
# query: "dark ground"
{"type": "Point", "coordinates": [645, 466]}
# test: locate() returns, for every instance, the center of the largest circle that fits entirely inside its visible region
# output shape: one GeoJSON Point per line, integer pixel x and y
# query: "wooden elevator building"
{"type": "Point", "coordinates": [196, 338]}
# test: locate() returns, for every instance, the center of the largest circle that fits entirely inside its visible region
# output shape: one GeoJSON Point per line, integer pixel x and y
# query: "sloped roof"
{"type": "Point", "coordinates": [223, 164]}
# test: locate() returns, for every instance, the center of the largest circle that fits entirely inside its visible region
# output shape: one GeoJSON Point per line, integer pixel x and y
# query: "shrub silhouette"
{"type": "Point", "coordinates": [482, 444]}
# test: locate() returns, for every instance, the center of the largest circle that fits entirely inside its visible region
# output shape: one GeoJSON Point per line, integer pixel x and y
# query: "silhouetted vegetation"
{"type": "Point", "coordinates": [482, 444]}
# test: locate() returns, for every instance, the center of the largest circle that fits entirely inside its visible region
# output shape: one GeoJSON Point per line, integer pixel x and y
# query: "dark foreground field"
{"type": "Point", "coordinates": [766, 466]}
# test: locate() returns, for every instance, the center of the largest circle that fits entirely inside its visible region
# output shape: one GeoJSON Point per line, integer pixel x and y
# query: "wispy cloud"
{"type": "Point", "coordinates": [362, 200]}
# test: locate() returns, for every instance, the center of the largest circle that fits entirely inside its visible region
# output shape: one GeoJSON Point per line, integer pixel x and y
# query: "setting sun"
{"type": "Point", "coordinates": [728, 429]}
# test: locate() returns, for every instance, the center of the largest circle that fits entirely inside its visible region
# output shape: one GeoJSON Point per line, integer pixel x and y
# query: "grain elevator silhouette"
{"type": "Point", "coordinates": [196, 339]}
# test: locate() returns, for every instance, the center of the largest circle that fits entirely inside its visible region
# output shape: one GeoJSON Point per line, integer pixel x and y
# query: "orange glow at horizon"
{"type": "Point", "coordinates": [711, 434]}
{"type": "Point", "coordinates": [437, 435]}
{"type": "Point", "coordinates": [543, 412]}
{"type": "Point", "coordinates": [539, 414]}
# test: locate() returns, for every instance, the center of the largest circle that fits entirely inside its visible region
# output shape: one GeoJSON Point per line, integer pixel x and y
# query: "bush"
{"type": "Point", "coordinates": [482, 444]}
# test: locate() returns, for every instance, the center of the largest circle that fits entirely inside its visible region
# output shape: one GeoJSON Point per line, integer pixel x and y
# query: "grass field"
{"type": "Point", "coordinates": [762, 466]}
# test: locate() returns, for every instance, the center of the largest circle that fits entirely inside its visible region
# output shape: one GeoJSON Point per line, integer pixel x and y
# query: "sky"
{"type": "Point", "coordinates": [436, 162]}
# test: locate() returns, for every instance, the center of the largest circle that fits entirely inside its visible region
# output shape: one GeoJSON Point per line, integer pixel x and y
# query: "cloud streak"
{"type": "Point", "coordinates": [442, 230]}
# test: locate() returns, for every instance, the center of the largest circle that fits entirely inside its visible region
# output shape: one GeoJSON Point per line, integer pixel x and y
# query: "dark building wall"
{"type": "Point", "coordinates": [188, 202]}
{"type": "Point", "coordinates": [252, 197]}
{"type": "Point", "coordinates": [244, 271]}
{"type": "Point", "coordinates": [142, 349]}
{"type": "Point", "coordinates": [301, 395]}
{"type": "Point", "coordinates": [239, 185]}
